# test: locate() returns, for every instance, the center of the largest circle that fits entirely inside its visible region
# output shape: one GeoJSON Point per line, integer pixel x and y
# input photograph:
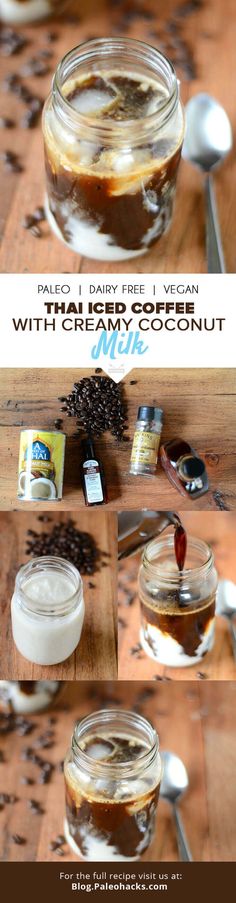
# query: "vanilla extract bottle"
{"type": "Point", "coordinates": [93, 480]}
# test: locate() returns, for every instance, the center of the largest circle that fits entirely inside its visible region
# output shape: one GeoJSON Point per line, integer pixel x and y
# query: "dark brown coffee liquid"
{"type": "Point", "coordinates": [115, 97]}
{"type": "Point", "coordinates": [180, 545]}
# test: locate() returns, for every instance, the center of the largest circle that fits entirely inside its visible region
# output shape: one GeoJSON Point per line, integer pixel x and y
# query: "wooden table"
{"type": "Point", "coordinates": [219, 530]}
{"type": "Point", "coordinates": [204, 34]}
{"type": "Point", "coordinates": [200, 406]}
{"type": "Point", "coordinates": [95, 657]}
{"type": "Point", "coordinates": [197, 723]}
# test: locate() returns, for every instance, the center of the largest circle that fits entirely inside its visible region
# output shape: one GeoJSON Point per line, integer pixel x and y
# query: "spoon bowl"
{"type": "Point", "coordinates": [175, 778]}
{"type": "Point", "coordinates": [173, 785]}
{"type": "Point", "coordinates": [207, 142]}
{"type": "Point", "coordinates": [208, 137]}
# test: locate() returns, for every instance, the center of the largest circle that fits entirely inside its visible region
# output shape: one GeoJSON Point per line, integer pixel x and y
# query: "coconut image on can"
{"type": "Point", "coordinates": [41, 465]}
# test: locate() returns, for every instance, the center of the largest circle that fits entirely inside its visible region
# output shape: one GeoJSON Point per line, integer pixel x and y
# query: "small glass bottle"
{"type": "Point", "coordinates": [112, 777]}
{"type": "Point", "coordinates": [146, 441]}
{"type": "Point", "coordinates": [47, 610]}
{"type": "Point", "coordinates": [93, 481]}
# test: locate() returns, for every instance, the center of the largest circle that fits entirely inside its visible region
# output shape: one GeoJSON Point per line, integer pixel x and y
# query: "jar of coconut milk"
{"type": "Point", "coordinates": [47, 610]}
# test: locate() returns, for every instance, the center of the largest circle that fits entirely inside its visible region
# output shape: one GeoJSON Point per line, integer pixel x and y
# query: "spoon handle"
{"type": "Point", "coordinates": [184, 851]}
{"type": "Point", "coordinates": [215, 255]}
{"type": "Point", "coordinates": [233, 635]}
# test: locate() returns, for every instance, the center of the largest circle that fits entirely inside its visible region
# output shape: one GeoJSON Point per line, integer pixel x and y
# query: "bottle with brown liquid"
{"type": "Point", "coordinates": [93, 480]}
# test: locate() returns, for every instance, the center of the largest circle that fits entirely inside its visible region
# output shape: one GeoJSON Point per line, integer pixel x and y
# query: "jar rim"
{"type": "Point", "coordinates": [43, 563]}
{"type": "Point", "coordinates": [188, 575]}
{"type": "Point", "coordinates": [103, 46]}
{"type": "Point", "coordinates": [129, 719]}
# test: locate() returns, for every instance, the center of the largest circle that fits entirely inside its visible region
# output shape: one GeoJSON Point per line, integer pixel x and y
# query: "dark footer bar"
{"type": "Point", "coordinates": [173, 881]}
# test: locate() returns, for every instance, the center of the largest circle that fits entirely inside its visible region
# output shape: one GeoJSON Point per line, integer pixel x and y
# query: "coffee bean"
{"type": "Point", "coordinates": [27, 781]}
{"type": "Point", "coordinates": [35, 231]}
{"type": "Point", "coordinates": [39, 214]}
{"type": "Point", "coordinates": [6, 123]}
{"type": "Point", "coordinates": [28, 221]}
{"type": "Point", "coordinates": [16, 838]}
{"type": "Point", "coordinates": [29, 119]}
{"type": "Point", "coordinates": [11, 42]}
{"type": "Point", "coordinates": [35, 807]}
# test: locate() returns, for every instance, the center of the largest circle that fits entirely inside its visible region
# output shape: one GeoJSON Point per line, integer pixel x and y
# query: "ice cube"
{"type": "Point", "coordinates": [94, 100]}
{"type": "Point", "coordinates": [100, 749]}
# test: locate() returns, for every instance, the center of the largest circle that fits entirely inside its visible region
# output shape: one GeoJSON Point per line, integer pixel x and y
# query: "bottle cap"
{"type": "Point", "coordinates": [147, 412]}
{"type": "Point", "coordinates": [190, 468]}
{"type": "Point", "coordinates": [88, 447]}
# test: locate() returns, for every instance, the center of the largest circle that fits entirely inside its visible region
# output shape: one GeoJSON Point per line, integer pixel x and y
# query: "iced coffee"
{"type": "Point", "coordinates": [113, 130]}
{"type": "Point", "coordinates": [112, 777]}
{"type": "Point", "coordinates": [25, 697]}
{"type": "Point", "coordinates": [20, 12]}
{"type": "Point", "coordinates": [177, 607]}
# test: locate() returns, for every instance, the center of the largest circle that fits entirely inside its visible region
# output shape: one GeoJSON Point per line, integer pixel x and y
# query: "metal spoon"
{"type": "Point", "coordinates": [207, 142]}
{"type": "Point", "coordinates": [226, 606]}
{"type": "Point", "coordinates": [173, 785]}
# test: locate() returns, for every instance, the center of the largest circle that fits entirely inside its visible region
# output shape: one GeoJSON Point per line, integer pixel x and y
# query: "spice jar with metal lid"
{"type": "Point", "coordinates": [146, 441]}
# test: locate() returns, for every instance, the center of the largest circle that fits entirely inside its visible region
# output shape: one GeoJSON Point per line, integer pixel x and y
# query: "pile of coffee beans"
{"type": "Point", "coordinates": [98, 405]}
{"type": "Point", "coordinates": [63, 540]}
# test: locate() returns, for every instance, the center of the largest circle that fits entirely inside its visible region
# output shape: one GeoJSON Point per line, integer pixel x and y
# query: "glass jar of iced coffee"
{"type": "Point", "coordinates": [177, 607]}
{"type": "Point", "coordinates": [113, 128]}
{"type": "Point", "coordinates": [22, 12]}
{"type": "Point", "coordinates": [112, 777]}
{"type": "Point", "coordinates": [25, 697]}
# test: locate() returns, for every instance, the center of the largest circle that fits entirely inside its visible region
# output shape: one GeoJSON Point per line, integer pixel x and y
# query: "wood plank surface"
{"type": "Point", "coordinates": [219, 530]}
{"type": "Point", "coordinates": [200, 406]}
{"type": "Point", "coordinates": [197, 723]}
{"type": "Point", "coordinates": [95, 657]}
{"type": "Point", "coordinates": [200, 40]}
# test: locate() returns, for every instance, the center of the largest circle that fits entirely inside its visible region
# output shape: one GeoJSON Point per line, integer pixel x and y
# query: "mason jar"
{"type": "Point", "coordinates": [22, 12]}
{"type": "Point", "coordinates": [47, 610]}
{"type": "Point", "coordinates": [113, 130]}
{"type": "Point", "coordinates": [112, 780]}
{"type": "Point", "coordinates": [177, 608]}
{"type": "Point", "coordinates": [25, 697]}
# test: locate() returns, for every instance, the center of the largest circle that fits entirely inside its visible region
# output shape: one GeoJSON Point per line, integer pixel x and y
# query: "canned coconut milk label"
{"type": "Point", "coordinates": [41, 465]}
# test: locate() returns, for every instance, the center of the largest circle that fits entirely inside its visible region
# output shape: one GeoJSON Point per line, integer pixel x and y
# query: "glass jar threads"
{"type": "Point", "coordinates": [47, 610]}
{"type": "Point", "coordinates": [112, 778]}
{"type": "Point", "coordinates": [113, 130]}
{"type": "Point", "coordinates": [177, 608]}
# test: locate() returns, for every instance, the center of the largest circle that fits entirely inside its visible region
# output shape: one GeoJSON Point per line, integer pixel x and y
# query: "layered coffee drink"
{"type": "Point", "coordinates": [24, 697]}
{"type": "Point", "coordinates": [113, 130]}
{"type": "Point", "coordinates": [112, 778]}
{"type": "Point", "coordinates": [20, 12]}
{"type": "Point", "coordinates": [177, 607]}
